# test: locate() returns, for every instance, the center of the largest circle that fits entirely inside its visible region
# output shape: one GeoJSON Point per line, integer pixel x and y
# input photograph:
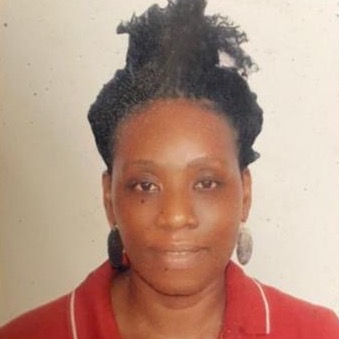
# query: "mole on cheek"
{"type": "Point", "coordinates": [142, 201]}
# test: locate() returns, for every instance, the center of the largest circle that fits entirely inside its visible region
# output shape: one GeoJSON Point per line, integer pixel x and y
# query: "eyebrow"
{"type": "Point", "coordinates": [140, 163]}
{"type": "Point", "coordinates": [205, 159]}
{"type": "Point", "coordinates": [201, 161]}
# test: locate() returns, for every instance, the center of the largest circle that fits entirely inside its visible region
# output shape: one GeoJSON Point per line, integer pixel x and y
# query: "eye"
{"type": "Point", "coordinates": [146, 186]}
{"type": "Point", "coordinates": [206, 185]}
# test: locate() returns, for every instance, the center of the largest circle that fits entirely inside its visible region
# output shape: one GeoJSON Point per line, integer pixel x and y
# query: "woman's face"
{"type": "Point", "coordinates": [177, 195]}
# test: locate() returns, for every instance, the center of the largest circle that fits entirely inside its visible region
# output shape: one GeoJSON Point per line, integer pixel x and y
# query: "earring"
{"type": "Point", "coordinates": [116, 250]}
{"type": "Point", "coordinates": [244, 245]}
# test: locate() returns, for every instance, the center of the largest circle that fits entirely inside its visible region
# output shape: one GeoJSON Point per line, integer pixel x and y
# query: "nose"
{"type": "Point", "coordinates": [177, 211]}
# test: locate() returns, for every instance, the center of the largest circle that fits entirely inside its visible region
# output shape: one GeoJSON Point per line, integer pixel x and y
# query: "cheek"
{"type": "Point", "coordinates": [224, 208]}
{"type": "Point", "coordinates": [219, 218]}
{"type": "Point", "coordinates": [135, 218]}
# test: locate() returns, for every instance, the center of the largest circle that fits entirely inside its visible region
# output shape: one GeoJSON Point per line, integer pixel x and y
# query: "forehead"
{"type": "Point", "coordinates": [182, 127]}
{"type": "Point", "coordinates": [174, 114]}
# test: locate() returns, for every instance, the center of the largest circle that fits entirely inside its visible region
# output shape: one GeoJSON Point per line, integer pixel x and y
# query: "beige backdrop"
{"type": "Point", "coordinates": [55, 56]}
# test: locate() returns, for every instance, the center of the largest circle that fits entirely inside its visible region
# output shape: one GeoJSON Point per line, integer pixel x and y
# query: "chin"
{"type": "Point", "coordinates": [181, 282]}
{"type": "Point", "coordinates": [177, 285]}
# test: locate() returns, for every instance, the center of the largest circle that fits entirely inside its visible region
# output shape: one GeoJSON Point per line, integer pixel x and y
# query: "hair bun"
{"type": "Point", "coordinates": [180, 37]}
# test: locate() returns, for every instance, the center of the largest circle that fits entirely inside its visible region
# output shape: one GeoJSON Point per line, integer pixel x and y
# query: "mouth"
{"type": "Point", "coordinates": [180, 257]}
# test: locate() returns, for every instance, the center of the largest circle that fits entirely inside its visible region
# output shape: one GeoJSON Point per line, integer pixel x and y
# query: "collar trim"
{"type": "Point", "coordinates": [72, 315]}
{"type": "Point", "coordinates": [247, 308]}
{"type": "Point", "coordinates": [266, 306]}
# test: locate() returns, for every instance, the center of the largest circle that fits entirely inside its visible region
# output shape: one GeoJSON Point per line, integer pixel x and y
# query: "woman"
{"type": "Point", "coordinates": [175, 128]}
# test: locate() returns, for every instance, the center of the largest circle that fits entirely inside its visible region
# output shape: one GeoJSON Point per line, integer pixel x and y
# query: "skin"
{"type": "Point", "coordinates": [178, 196]}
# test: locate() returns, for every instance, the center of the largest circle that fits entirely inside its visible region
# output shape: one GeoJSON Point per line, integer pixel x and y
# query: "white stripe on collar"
{"type": "Point", "coordinates": [72, 316]}
{"type": "Point", "coordinates": [266, 305]}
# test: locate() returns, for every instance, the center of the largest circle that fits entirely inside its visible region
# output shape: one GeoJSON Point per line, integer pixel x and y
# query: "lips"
{"type": "Point", "coordinates": [180, 256]}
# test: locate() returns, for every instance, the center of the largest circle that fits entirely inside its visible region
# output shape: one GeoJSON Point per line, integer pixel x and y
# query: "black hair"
{"type": "Point", "coordinates": [175, 52]}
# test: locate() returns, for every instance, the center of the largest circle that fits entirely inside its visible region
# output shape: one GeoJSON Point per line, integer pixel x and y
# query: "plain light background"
{"type": "Point", "coordinates": [55, 57]}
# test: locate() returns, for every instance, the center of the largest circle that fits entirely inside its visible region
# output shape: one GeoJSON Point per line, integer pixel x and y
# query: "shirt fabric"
{"type": "Point", "coordinates": [253, 310]}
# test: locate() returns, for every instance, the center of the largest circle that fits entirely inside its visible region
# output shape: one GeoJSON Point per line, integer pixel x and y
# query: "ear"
{"type": "Point", "coordinates": [247, 193]}
{"type": "Point", "coordinates": [107, 197]}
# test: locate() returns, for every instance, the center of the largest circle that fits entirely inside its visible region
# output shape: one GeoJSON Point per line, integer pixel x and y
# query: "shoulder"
{"type": "Point", "coordinates": [86, 312]}
{"type": "Point", "coordinates": [288, 313]}
{"type": "Point", "coordinates": [264, 310]}
{"type": "Point", "coordinates": [48, 321]}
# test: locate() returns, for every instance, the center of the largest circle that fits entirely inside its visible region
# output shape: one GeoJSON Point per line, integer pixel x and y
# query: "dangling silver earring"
{"type": "Point", "coordinates": [244, 245]}
{"type": "Point", "coordinates": [116, 250]}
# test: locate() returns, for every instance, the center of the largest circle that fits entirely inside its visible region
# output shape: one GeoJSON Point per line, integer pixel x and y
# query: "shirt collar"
{"type": "Point", "coordinates": [247, 307]}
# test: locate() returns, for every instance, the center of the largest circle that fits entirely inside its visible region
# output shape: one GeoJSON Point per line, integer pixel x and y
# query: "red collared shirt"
{"type": "Point", "coordinates": [253, 311]}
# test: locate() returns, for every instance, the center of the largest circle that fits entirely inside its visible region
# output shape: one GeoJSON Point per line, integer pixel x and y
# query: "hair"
{"type": "Point", "coordinates": [176, 52]}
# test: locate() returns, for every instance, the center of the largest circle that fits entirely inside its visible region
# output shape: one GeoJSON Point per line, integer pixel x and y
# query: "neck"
{"type": "Point", "coordinates": [196, 315]}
